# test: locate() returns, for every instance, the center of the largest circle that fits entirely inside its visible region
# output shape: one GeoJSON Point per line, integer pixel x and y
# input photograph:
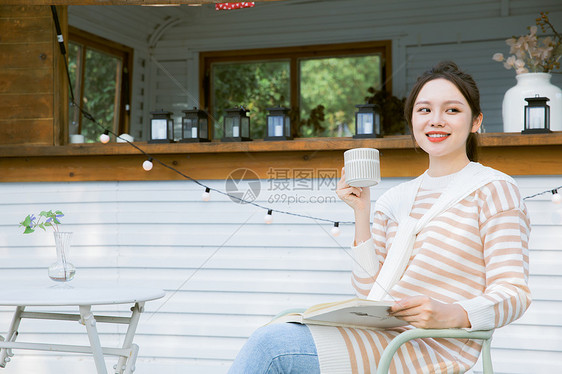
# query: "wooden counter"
{"type": "Point", "coordinates": [514, 154]}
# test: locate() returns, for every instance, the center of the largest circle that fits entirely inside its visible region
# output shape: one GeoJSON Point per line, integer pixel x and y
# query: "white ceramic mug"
{"type": "Point", "coordinates": [75, 138]}
{"type": "Point", "coordinates": [362, 167]}
{"type": "Point", "coordinates": [123, 138]}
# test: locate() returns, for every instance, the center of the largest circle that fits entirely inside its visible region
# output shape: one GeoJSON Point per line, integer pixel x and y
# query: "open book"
{"type": "Point", "coordinates": [354, 312]}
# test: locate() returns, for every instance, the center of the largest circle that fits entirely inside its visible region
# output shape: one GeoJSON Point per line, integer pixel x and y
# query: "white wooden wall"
{"type": "Point", "coordinates": [225, 271]}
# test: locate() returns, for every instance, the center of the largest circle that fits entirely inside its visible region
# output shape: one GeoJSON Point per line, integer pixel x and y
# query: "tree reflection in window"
{"type": "Point", "coordinates": [316, 82]}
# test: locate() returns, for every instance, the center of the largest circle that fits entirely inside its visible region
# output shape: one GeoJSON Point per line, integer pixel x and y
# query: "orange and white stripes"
{"type": "Point", "coordinates": [474, 254]}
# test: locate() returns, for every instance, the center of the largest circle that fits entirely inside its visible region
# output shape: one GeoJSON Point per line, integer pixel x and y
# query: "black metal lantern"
{"type": "Point", "coordinates": [367, 121]}
{"type": "Point", "coordinates": [278, 124]}
{"type": "Point", "coordinates": [161, 127]}
{"type": "Point", "coordinates": [236, 125]}
{"type": "Point", "coordinates": [537, 116]}
{"type": "Point", "coordinates": [195, 126]}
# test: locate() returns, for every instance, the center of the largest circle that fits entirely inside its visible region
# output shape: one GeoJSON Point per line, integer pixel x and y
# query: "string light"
{"type": "Point", "coordinates": [147, 164]}
{"type": "Point", "coordinates": [556, 198]}
{"type": "Point", "coordinates": [206, 196]}
{"type": "Point", "coordinates": [104, 138]}
{"type": "Point", "coordinates": [552, 191]}
{"type": "Point", "coordinates": [335, 231]}
{"type": "Point", "coordinates": [268, 218]}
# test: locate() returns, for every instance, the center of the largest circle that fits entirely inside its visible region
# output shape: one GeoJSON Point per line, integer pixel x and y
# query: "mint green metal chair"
{"type": "Point", "coordinates": [408, 335]}
{"type": "Point", "coordinates": [386, 357]}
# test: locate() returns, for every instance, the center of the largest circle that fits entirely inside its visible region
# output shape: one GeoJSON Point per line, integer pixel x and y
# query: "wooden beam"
{"type": "Point", "coordinates": [399, 142]}
{"type": "Point", "coordinates": [60, 91]}
{"type": "Point", "coordinates": [32, 102]}
{"type": "Point", "coordinates": [514, 154]}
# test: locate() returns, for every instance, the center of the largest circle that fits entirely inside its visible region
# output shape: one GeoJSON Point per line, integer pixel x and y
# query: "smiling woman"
{"type": "Point", "coordinates": [441, 123]}
{"type": "Point", "coordinates": [426, 232]}
{"type": "Point", "coordinates": [444, 115]}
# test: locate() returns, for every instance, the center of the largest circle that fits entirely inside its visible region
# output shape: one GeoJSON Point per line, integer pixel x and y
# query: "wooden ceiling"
{"type": "Point", "coordinates": [117, 2]}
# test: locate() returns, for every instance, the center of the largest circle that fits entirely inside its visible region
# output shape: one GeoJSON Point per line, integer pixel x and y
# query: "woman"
{"type": "Point", "coordinates": [449, 247]}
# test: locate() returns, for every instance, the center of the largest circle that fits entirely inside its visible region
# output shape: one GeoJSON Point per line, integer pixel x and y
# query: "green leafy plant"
{"type": "Point", "coordinates": [46, 219]}
{"type": "Point", "coordinates": [391, 109]}
{"type": "Point", "coordinates": [312, 125]}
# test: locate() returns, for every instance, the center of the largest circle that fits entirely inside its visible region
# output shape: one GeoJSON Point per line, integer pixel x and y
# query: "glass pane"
{"type": "Point", "coordinates": [536, 117]}
{"type": "Point", "coordinates": [337, 83]}
{"type": "Point", "coordinates": [203, 127]}
{"type": "Point", "coordinates": [100, 96]}
{"type": "Point", "coordinates": [75, 67]}
{"type": "Point", "coordinates": [365, 123]}
{"type": "Point", "coordinates": [254, 85]}
{"type": "Point", "coordinates": [187, 130]}
{"type": "Point", "coordinates": [275, 126]}
{"type": "Point", "coordinates": [245, 126]}
{"type": "Point", "coordinates": [159, 129]}
{"type": "Point", "coordinates": [229, 128]}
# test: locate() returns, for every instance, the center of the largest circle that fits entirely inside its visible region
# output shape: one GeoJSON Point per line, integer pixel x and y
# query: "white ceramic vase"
{"type": "Point", "coordinates": [531, 85]}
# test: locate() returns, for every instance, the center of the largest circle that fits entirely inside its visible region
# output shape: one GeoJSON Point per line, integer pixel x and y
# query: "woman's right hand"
{"type": "Point", "coordinates": [358, 198]}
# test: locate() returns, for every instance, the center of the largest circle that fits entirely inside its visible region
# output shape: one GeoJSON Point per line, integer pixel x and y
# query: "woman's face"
{"type": "Point", "coordinates": [442, 120]}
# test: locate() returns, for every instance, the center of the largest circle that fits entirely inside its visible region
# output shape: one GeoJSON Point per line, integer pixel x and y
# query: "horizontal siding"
{"type": "Point", "coordinates": [422, 33]}
{"type": "Point", "coordinates": [475, 31]}
{"type": "Point", "coordinates": [225, 272]}
{"type": "Point", "coordinates": [475, 58]}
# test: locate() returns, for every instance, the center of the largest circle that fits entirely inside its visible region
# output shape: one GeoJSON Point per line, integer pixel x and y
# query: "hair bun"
{"type": "Point", "coordinates": [445, 66]}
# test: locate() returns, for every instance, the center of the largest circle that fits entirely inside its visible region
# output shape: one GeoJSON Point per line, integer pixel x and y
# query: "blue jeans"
{"type": "Point", "coordinates": [278, 349]}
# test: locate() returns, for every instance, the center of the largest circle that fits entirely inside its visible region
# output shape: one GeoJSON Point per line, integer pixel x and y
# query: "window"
{"type": "Point", "coordinates": [336, 77]}
{"type": "Point", "coordinates": [100, 77]}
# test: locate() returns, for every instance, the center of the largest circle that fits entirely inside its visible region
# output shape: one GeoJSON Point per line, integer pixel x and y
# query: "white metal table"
{"type": "Point", "coordinates": [84, 298]}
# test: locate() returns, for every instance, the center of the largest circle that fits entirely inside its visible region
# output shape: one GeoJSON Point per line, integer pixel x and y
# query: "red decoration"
{"type": "Point", "coordinates": [230, 6]}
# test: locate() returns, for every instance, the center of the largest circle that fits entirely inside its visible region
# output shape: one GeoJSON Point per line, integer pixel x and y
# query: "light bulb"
{"type": "Point", "coordinates": [147, 164]}
{"type": "Point", "coordinates": [206, 196]}
{"type": "Point", "coordinates": [268, 218]}
{"type": "Point", "coordinates": [104, 138]}
{"type": "Point", "coordinates": [335, 231]}
{"type": "Point", "coordinates": [556, 197]}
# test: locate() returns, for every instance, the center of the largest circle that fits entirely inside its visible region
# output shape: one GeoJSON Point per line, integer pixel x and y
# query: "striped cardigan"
{"type": "Point", "coordinates": [474, 254]}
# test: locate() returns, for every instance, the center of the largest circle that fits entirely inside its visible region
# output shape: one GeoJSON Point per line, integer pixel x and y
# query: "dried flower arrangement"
{"type": "Point", "coordinates": [530, 53]}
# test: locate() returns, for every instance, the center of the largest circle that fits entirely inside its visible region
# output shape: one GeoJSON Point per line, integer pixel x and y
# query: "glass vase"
{"type": "Point", "coordinates": [62, 270]}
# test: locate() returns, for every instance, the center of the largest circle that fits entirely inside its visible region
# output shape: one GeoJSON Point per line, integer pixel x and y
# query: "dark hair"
{"type": "Point", "coordinates": [467, 86]}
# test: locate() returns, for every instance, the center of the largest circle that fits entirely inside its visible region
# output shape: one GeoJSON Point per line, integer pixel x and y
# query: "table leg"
{"type": "Point", "coordinates": [131, 362]}
{"type": "Point", "coordinates": [127, 365]}
{"type": "Point", "coordinates": [90, 322]}
{"type": "Point", "coordinates": [11, 336]}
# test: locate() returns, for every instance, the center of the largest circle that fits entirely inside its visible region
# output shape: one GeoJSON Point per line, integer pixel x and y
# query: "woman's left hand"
{"type": "Point", "coordinates": [425, 312]}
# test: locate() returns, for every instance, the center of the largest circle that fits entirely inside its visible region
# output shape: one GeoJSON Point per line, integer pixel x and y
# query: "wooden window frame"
{"type": "Point", "coordinates": [293, 55]}
{"type": "Point", "coordinates": [124, 84]}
